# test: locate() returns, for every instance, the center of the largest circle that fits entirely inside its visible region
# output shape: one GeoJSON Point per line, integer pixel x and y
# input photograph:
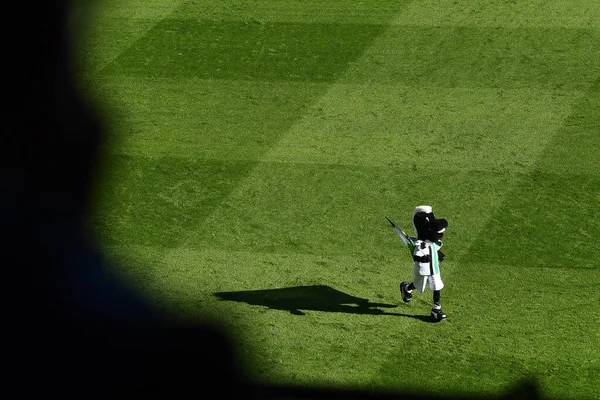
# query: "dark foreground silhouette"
{"type": "Point", "coordinates": [71, 329]}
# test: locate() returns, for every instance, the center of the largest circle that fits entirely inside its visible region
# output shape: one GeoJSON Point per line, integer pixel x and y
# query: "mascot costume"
{"type": "Point", "coordinates": [427, 256]}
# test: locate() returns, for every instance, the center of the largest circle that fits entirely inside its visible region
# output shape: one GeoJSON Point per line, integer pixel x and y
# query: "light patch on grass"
{"type": "Point", "coordinates": [481, 57]}
{"type": "Point", "coordinates": [499, 13]}
{"type": "Point", "coordinates": [307, 11]}
{"type": "Point", "coordinates": [426, 129]}
{"type": "Point", "coordinates": [574, 150]}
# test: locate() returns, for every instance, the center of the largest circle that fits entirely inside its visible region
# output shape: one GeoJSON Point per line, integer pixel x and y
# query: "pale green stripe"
{"type": "Point", "coordinates": [434, 256]}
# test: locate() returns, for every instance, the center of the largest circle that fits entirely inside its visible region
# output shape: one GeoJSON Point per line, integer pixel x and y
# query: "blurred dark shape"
{"type": "Point", "coordinates": [523, 391]}
{"type": "Point", "coordinates": [70, 328]}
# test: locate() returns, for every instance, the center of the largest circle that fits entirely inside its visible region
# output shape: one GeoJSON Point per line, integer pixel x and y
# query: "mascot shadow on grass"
{"type": "Point", "coordinates": [298, 299]}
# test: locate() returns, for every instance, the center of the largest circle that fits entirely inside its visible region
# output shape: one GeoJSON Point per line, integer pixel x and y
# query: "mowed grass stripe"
{"type": "Point", "coordinates": [472, 337]}
{"type": "Point", "coordinates": [202, 119]}
{"type": "Point", "coordinates": [544, 208]}
{"type": "Point", "coordinates": [482, 57]}
{"type": "Point", "coordinates": [551, 58]}
{"type": "Point", "coordinates": [557, 202]}
{"type": "Point", "coordinates": [339, 210]}
{"type": "Point", "coordinates": [164, 111]}
{"type": "Point", "coordinates": [109, 27]}
{"type": "Point", "coordinates": [402, 126]}
{"type": "Point", "coordinates": [150, 201]}
{"type": "Point", "coordinates": [426, 128]}
{"type": "Point", "coordinates": [245, 51]}
{"type": "Point", "coordinates": [308, 11]}
{"type": "Point", "coordinates": [276, 207]}
{"type": "Point", "coordinates": [574, 150]}
{"type": "Point", "coordinates": [522, 14]}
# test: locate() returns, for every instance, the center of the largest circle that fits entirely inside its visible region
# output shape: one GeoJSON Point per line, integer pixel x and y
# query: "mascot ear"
{"type": "Point", "coordinates": [422, 210]}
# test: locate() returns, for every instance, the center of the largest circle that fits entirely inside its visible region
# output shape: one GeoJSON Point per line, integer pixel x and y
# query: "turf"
{"type": "Point", "coordinates": [255, 148]}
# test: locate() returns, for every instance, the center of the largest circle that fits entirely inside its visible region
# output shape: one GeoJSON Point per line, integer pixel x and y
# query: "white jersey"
{"type": "Point", "coordinates": [426, 257]}
{"type": "Point", "coordinates": [427, 266]}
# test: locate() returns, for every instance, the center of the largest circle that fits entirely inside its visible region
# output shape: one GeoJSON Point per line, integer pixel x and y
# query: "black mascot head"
{"type": "Point", "coordinates": [427, 227]}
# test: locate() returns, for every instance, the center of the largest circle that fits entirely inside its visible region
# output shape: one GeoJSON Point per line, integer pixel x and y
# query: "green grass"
{"type": "Point", "coordinates": [255, 148]}
{"type": "Point", "coordinates": [244, 51]}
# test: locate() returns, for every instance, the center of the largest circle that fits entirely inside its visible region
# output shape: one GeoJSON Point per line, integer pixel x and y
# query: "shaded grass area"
{"type": "Point", "coordinates": [246, 51]}
{"type": "Point", "coordinates": [551, 217]}
{"type": "Point", "coordinates": [574, 150]}
{"type": "Point", "coordinates": [157, 201]}
{"type": "Point", "coordinates": [221, 120]}
{"type": "Point", "coordinates": [543, 58]}
{"type": "Point", "coordinates": [547, 220]}
{"type": "Point", "coordinates": [105, 28]}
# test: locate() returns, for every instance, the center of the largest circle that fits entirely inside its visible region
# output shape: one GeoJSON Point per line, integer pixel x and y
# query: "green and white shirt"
{"type": "Point", "coordinates": [422, 249]}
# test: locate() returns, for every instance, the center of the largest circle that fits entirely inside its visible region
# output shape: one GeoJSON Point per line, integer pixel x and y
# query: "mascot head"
{"type": "Point", "coordinates": [427, 227]}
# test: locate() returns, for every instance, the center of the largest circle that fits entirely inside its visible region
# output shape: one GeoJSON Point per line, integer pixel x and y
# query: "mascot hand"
{"type": "Point", "coordinates": [441, 256]}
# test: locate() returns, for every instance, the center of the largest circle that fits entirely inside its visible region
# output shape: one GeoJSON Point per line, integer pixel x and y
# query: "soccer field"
{"type": "Point", "coordinates": [256, 147]}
